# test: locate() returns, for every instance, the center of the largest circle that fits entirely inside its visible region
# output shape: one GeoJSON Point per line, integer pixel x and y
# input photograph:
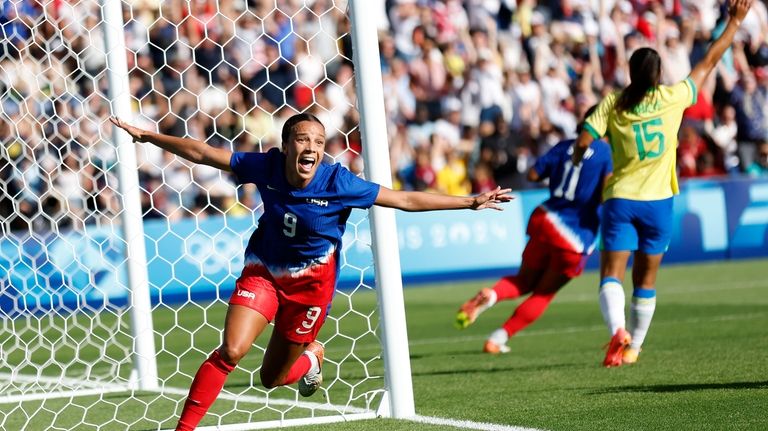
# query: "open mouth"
{"type": "Point", "coordinates": [306, 163]}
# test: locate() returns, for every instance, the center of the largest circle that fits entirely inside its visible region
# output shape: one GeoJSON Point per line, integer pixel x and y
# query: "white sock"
{"type": "Point", "coordinates": [314, 366]}
{"type": "Point", "coordinates": [499, 337]}
{"type": "Point", "coordinates": [640, 314]}
{"type": "Point", "coordinates": [492, 298]}
{"type": "Point", "coordinates": [612, 304]}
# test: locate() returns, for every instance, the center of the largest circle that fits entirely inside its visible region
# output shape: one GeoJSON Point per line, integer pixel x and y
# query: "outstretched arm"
{"type": "Point", "coordinates": [737, 10]}
{"type": "Point", "coordinates": [422, 201]}
{"type": "Point", "coordinates": [191, 149]}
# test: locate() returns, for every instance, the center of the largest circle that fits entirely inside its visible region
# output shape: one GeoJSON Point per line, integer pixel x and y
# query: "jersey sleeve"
{"type": "Point", "coordinates": [249, 168]}
{"type": "Point", "coordinates": [684, 93]}
{"type": "Point", "coordinates": [597, 123]}
{"type": "Point", "coordinates": [355, 192]}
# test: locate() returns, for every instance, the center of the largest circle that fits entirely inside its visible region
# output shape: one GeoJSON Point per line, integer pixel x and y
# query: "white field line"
{"type": "Point", "coordinates": [99, 388]}
{"type": "Point", "coordinates": [318, 420]}
{"type": "Point", "coordinates": [226, 395]}
{"type": "Point", "coordinates": [70, 387]}
{"type": "Point", "coordinates": [457, 423]}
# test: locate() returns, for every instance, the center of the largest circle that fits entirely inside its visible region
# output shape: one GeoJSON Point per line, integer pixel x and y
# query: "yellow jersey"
{"type": "Point", "coordinates": [643, 141]}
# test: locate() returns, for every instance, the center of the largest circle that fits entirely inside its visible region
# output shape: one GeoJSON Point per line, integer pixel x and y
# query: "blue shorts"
{"type": "Point", "coordinates": [636, 225]}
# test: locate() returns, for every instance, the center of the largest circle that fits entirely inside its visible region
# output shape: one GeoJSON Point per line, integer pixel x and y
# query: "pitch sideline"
{"type": "Point", "coordinates": [457, 423]}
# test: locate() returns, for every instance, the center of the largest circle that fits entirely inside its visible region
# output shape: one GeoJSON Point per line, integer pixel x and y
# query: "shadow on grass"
{"type": "Point", "coordinates": [494, 370]}
{"type": "Point", "coordinates": [684, 387]}
{"type": "Point", "coordinates": [446, 353]}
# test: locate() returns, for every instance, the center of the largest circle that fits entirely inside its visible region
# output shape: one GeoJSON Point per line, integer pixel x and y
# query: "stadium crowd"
{"type": "Point", "coordinates": [475, 91]}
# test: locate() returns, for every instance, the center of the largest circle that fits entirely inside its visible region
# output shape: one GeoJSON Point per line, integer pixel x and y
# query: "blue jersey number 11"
{"type": "Point", "coordinates": [567, 187]}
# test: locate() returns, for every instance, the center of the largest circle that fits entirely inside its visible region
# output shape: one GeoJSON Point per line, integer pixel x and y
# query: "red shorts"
{"type": "Point", "coordinates": [546, 249]}
{"type": "Point", "coordinates": [296, 302]}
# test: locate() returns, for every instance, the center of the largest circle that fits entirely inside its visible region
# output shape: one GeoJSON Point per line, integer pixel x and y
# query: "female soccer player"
{"type": "Point", "coordinates": [641, 123]}
{"type": "Point", "coordinates": [291, 261]}
{"type": "Point", "coordinates": [562, 234]}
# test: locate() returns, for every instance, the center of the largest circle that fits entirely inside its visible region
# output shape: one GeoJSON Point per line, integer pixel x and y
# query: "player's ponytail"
{"type": "Point", "coordinates": [644, 75]}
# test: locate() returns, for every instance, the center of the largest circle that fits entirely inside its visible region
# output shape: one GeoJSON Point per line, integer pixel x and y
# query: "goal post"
{"type": "Point", "coordinates": [119, 95]}
{"type": "Point", "coordinates": [117, 261]}
{"type": "Point", "coordinates": [386, 253]}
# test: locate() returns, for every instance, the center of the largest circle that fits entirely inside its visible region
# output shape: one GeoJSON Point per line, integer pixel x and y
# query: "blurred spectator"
{"type": "Point", "coordinates": [724, 136]}
{"type": "Point", "coordinates": [707, 166]}
{"type": "Point", "coordinates": [17, 19]}
{"type": "Point", "coordinates": [452, 178]}
{"type": "Point", "coordinates": [505, 153]}
{"type": "Point", "coordinates": [526, 101]}
{"type": "Point", "coordinates": [448, 125]}
{"type": "Point", "coordinates": [690, 149]}
{"type": "Point", "coordinates": [428, 77]}
{"type": "Point", "coordinates": [273, 80]}
{"type": "Point", "coordinates": [759, 168]}
{"type": "Point", "coordinates": [424, 175]}
{"type": "Point", "coordinates": [483, 179]}
{"type": "Point", "coordinates": [474, 92]}
{"type": "Point", "coordinates": [751, 117]}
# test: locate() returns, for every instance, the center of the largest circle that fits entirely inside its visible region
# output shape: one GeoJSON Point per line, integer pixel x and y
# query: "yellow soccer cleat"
{"type": "Point", "coordinates": [471, 309]}
{"type": "Point", "coordinates": [630, 355]}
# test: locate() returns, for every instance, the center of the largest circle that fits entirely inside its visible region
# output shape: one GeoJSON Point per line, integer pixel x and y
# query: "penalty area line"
{"type": "Point", "coordinates": [458, 423]}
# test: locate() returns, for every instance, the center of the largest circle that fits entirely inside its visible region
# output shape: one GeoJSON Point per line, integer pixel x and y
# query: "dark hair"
{"type": "Point", "coordinates": [294, 120]}
{"type": "Point", "coordinates": [644, 74]}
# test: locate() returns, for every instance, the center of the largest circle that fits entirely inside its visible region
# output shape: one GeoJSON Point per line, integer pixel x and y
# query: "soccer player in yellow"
{"type": "Point", "coordinates": [641, 123]}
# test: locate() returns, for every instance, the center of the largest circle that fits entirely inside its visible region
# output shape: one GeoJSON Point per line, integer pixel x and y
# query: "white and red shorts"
{"type": "Point", "coordinates": [297, 302]}
{"type": "Point", "coordinates": [547, 249]}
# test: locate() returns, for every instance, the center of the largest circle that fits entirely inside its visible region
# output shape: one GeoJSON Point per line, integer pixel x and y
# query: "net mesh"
{"type": "Point", "coordinates": [226, 72]}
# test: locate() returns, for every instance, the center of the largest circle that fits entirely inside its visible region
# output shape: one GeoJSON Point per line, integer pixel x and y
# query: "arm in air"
{"type": "Point", "coordinates": [737, 10]}
{"type": "Point", "coordinates": [191, 149]}
{"type": "Point", "coordinates": [422, 201]}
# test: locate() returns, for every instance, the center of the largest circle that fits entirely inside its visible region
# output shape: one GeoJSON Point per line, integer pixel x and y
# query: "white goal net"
{"type": "Point", "coordinates": [115, 273]}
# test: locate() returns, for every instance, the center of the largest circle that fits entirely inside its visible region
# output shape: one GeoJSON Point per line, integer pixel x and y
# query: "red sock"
{"type": "Point", "coordinates": [509, 287]}
{"type": "Point", "coordinates": [527, 312]}
{"type": "Point", "coordinates": [298, 369]}
{"type": "Point", "coordinates": [205, 388]}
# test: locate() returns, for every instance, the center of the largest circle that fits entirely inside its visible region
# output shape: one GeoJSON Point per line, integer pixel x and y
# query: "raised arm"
{"type": "Point", "coordinates": [191, 149]}
{"type": "Point", "coordinates": [422, 201]}
{"type": "Point", "coordinates": [737, 10]}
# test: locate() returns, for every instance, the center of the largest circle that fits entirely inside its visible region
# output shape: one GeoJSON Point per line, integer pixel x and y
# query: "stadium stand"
{"type": "Point", "coordinates": [475, 91]}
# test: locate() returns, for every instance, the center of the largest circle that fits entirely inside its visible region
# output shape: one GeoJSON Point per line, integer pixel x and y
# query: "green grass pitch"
{"type": "Point", "coordinates": [704, 364]}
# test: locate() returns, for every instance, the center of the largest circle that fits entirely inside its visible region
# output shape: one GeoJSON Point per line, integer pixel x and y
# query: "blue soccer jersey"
{"type": "Point", "coordinates": [575, 191]}
{"type": "Point", "coordinates": [299, 227]}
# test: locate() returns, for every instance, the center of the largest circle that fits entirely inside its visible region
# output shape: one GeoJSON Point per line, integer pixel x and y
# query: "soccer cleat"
{"type": "Point", "coordinates": [619, 342]}
{"type": "Point", "coordinates": [495, 349]}
{"type": "Point", "coordinates": [471, 309]}
{"type": "Point", "coordinates": [309, 383]}
{"type": "Point", "coordinates": [630, 355]}
{"type": "Point", "coordinates": [497, 342]}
